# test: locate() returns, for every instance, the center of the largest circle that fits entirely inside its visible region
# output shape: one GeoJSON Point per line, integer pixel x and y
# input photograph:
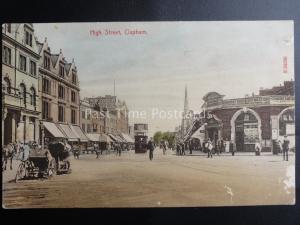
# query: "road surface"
{"type": "Point", "coordinates": [132, 180]}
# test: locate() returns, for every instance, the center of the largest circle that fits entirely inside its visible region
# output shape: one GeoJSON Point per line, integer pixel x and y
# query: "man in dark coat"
{"type": "Point", "coordinates": [231, 148]}
{"type": "Point", "coordinates": [151, 148]}
{"type": "Point", "coordinates": [285, 148]}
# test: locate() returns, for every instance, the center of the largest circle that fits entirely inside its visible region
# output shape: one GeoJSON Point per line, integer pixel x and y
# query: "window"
{"type": "Point", "coordinates": [73, 96]}
{"type": "Point", "coordinates": [61, 92]}
{"type": "Point", "coordinates": [73, 116]}
{"type": "Point", "coordinates": [83, 114]}
{"type": "Point", "coordinates": [32, 96]}
{"type": "Point", "coordinates": [23, 93]}
{"type": "Point", "coordinates": [23, 63]}
{"type": "Point", "coordinates": [247, 117]}
{"type": "Point", "coordinates": [45, 110]}
{"type": "Point", "coordinates": [61, 113]}
{"type": "Point", "coordinates": [61, 71]}
{"type": "Point", "coordinates": [89, 128]}
{"type": "Point", "coordinates": [28, 38]}
{"type": "Point", "coordinates": [74, 79]}
{"type": "Point", "coordinates": [95, 127]}
{"type": "Point", "coordinates": [6, 55]}
{"type": "Point", "coordinates": [32, 68]}
{"type": "Point", "coordinates": [46, 62]}
{"type": "Point", "coordinates": [6, 87]}
{"type": "Point", "coordinates": [83, 127]}
{"type": "Point", "coordinates": [46, 86]}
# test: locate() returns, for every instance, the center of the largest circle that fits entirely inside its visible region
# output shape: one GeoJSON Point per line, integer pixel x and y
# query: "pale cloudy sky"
{"type": "Point", "coordinates": [151, 71]}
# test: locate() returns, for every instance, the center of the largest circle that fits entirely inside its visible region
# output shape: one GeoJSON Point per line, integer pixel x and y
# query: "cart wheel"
{"type": "Point", "coordinates": [52, 168]}
{"type": "Point", "coordinates": [21, 172]}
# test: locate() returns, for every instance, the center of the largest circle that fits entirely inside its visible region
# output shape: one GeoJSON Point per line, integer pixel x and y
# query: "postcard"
{"type": "Point", "coordinates": [148, 114]}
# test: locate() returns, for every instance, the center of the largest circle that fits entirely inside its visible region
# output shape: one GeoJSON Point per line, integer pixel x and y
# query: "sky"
{"type": "Point", "coordinates": [151, 70]}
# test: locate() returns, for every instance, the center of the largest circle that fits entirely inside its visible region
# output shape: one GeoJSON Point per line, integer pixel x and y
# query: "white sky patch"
{"type": "Point", "coordinates": [233, 58]}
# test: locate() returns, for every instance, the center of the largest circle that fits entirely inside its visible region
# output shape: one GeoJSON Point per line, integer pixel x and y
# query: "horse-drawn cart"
{"type": "Point", "coordinates": [61, 154]}
{"type": "Point", "coordinates": [39, 164]}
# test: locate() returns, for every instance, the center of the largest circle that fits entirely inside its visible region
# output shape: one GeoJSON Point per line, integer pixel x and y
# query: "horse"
{"type": "Point", "coordinates": [8, 152]}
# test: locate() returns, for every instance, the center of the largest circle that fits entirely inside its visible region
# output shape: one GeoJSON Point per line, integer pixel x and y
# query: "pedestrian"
{"type": "Point", "coordinates": [191, 147]}
{"type": "Point", "coordinates": [218, 147]}
{"type": "Point", "coordinates": [209, 147]}
{"type": "Point", "coordinates": [231, 148]}
{"type": "Point", "coordinates": [279, 146]}
{"type": "Point", "coordinates": [164, 148]}
{"type": "Point", "coordinates": [182, 148]}
{"type": "Point", "coordinates": [178, 148]}
{"type": "Point", "coordinates": [151, 148]}
{"type": "Point", "coordinates": [222, 145]}
{"type": "Point", "coordinates": [26, 151]}
{"type": "Point", "coordinates": [257, 148]}
{"type": "Point", "coordinates": [285, 148]}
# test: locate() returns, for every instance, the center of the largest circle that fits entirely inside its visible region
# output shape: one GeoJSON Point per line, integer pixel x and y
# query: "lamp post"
{"type": "Point", "coordinates": [43, 134]}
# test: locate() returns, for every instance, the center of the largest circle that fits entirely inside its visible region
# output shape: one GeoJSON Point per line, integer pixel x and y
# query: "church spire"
{"type": "Point", "coordinates": [186, 103]}
{"type": "Point", "coordinates": [184, 123]}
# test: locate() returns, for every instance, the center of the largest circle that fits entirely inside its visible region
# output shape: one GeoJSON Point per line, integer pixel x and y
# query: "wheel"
{"type": "Point", "coordinates": [21, 172]}
{"type": "Point", "coordinates": [52, 167]}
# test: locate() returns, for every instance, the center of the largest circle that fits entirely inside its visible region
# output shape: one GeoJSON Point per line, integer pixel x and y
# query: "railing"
{"type": "Point", "coordinates": [255, 101]}
{"type": "Point", "coordinates": [12, 99]}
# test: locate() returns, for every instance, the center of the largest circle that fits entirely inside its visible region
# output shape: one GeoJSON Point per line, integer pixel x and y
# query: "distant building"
{"type": "Point", "coordinates": [20, 97]}
{"type": "Point", "coordinates": [108, 102]}
{"type": "Point", "coordinates": [286, 89]}
{"type": "Point", "coordinates": [91, 120]}
{"type": "Point", "coordinates": [116, 112]}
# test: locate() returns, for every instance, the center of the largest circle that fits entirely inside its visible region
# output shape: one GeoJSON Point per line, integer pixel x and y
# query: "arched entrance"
{"type": "Point", "coordinates": [286, 120]}
{"type": "Point", "coordinates": [286, 125]}
{"type": "Point", "coordinates": [245, 129]}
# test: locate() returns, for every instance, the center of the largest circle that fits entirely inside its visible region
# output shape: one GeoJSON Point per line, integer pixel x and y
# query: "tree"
{"type": "Point", "coordinates": [164, 136]}
{"type": "Point", "coordinates": [157, 137]}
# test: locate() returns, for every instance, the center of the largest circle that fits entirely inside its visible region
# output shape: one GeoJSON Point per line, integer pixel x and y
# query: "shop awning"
{"type": "Point", "coordinates": [77, 130]}
{"type": "Point", "coordinates": [65, 128]}
{"type": "Point", "coordinates": [127, 138]}
{"type": "Point", "coordinates": [105, 138]}
{"type": "Point", "coordinates": [114, 138]}
{"type": "Point", "coordinates": [52, 128]}
{"type": "Point", "coordinates": [93, 137]}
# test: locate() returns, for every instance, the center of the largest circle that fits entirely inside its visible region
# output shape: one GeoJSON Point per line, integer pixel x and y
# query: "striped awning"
{"type": "Point", "coordinates": [66, 129]}
{"type": "Point", "coordinates": [53, 129]}
{"type": "Point", "coordinates": [77, 130]}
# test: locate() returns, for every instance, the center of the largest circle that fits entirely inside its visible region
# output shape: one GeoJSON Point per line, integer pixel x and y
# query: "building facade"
{"type": "Point", "coordinates": [20, 97]}
{"type": "Point", "coordinates": [91, 120]}
{"type": "Point", "coordinates": [116, 113]}
{"type": "Point", "coordinates": [58, 87]}
{"type": "Point", "coordinates": [258, 118]}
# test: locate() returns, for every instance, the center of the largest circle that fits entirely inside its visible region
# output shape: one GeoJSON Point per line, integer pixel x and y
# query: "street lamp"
{"type": "Point", "coordinates": [43, 134]}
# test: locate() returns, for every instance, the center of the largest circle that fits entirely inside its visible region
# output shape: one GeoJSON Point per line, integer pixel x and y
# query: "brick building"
{"type": "Point", "coordinates": [257, 118]}
{"type": "Point", "coordinates": [59, 94]}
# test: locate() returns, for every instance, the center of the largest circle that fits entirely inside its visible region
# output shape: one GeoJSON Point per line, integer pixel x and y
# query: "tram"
{"type": "Point", "coordinates": [140, 137]}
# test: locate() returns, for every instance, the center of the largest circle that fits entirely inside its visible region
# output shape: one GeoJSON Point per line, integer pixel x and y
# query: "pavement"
{"type": "Point", "coordinates": [132, 180]}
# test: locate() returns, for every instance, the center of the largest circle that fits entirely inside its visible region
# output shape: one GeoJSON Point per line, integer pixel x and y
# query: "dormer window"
{"type": "Point", "coordinates": [61, 70]}
{"type": "Point", "coordinates": [47, 62]}
{"type": "Point", "coordinates": [9, 28]}
{"type": "Point", "coordinates": [74, 79]}
{"type": "Point", "coordinates": [28, 38]}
